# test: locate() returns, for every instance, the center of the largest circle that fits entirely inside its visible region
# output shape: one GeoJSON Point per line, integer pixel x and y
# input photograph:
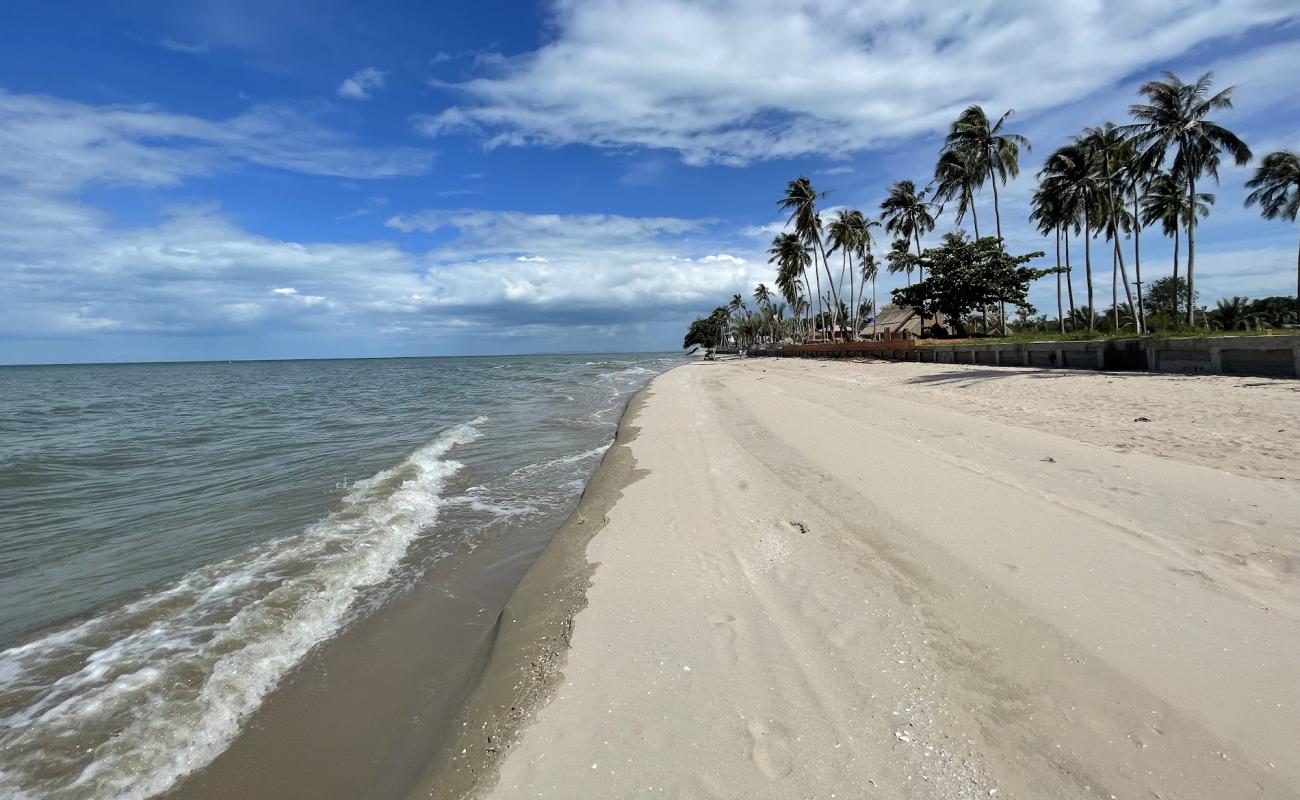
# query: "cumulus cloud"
{"type": "Point", "coordinates": [362, 85]}
{"type": "Point", "coordinates": [739, 80]}
{"type": "Point", "coordinates": [199, 274]}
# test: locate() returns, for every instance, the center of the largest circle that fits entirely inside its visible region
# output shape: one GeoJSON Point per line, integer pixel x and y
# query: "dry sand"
{"type": "Point", "coordinates": [841, 580]}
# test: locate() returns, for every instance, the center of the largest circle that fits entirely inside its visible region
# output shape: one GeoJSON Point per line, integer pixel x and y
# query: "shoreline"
{"type": "Point", "coordinates": [522, 666]}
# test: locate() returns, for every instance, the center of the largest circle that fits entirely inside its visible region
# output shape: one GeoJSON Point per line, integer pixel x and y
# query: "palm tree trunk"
{"type": "Point", "coordinates": [1191, 251]}
{"type": "Point", "coordinates": [1069, 276]}
{"type": "Point", "coordinates": [1123, 273]}
{"type": "Point", "coordinates": [875, 311]}
{"type": "Point", "coordinates": [1297, 283]}
{"type": "Point", "coordinates": [835, 295]}
{"type": "Point", "coordinates": [1087, 269]}
{"type": "Point", "coordinates": [1114, 284]}
{"type": "Point", "coordinates": [1137, 261]}
{"type": "Point", "coordinates": [997, 214]}
{"type": "Point", "coordinates": [974, 215]}
{"type": "Point", "coordinates": [920, 270]}
{"type": "Point", "coordinates": [1060, 312]}
{"type": "Point", "coordinates": [1177, 239]}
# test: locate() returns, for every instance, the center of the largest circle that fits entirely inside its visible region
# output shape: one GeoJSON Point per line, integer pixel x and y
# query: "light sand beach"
{"type": "Point", "coordinates": [828, 579]}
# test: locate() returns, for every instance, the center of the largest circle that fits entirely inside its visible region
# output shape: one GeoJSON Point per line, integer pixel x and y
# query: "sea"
{"type": "Point", "coordinates": [177, 540]}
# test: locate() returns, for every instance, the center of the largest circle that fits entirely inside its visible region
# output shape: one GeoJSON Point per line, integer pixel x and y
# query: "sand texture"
{"type": "Point", "coordinates": [837, 580]}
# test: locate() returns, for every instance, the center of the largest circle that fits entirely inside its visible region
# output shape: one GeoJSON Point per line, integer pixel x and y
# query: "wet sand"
{"type": "Point", "coordinates": [856, 580]}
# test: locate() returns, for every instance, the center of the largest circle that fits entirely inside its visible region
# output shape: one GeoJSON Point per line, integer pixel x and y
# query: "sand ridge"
{"type": "Point", "coordinates": [833, 582]}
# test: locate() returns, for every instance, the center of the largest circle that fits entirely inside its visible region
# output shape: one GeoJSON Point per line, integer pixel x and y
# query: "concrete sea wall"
{"type": "Point", "coordinates": [1268, 356]}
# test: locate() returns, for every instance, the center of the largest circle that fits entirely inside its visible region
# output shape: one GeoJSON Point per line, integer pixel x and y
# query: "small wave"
{"type": "Point", "coordinates": [124, 704]}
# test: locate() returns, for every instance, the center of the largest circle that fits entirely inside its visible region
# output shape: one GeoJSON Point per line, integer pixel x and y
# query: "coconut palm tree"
{"type": "Point", "coordinates": [1166, 202]}
{"type": "Point", "coordinates": [900, 260]}
{"type": "Point", "coordinates": [763, 299]}
{"type": "Point", "coordinates": [1108, 152]}
{"type": "Point", "coordinates": [1069, 172]}
{"type": "Point", "coordinates": [1175, 117]}
{"type": "Point", "coordinates": [870, 268]}
{"type": "Point", "coordinates": [1047, 212]}
{"type": "Point", "coordinates": [850, 232]}
{"type": "Point", "coordinates": [792, 260]}
{"type": "Point", "coordinates": [1276, 186]}
{"type": "Point", "coordinates": [990, 150]}
{"type": "Point", "coordinates": [955, 179]}
{"type": "Point", "coordinates": [906, 214]}
{"type": "Point", "coordinates": [801, 202]}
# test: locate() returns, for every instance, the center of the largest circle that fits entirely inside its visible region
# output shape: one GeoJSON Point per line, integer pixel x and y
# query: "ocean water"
{"type": "Point", "coordinates": [175, 538]}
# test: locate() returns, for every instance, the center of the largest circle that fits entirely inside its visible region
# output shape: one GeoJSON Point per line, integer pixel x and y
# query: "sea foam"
{"type": "Point", "coordinates": [127, 702]}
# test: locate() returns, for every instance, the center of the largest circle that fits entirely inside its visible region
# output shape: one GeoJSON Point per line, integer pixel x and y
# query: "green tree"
{"type": "Point", "coordinates": [1276, 188]}
{"type": "Point", "coordinates": [966, 275]}
{"type": "Point", "coordinates": [1175, 117]}
{"type": "Point", "coordinates": [1165, 294]}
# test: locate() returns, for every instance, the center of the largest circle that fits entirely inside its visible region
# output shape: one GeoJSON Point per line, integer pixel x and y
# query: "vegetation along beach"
{"type": "Point", "coordinates": [728, 400]}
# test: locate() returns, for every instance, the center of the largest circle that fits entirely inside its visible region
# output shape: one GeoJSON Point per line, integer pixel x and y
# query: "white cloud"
{"type": "Point", "coordinates": [197, 48]}
{"type": "Point", "coordinates": [738, 80]}
{"type": "Point", "coordinates": [836, 171]}
{"type": "Point", "coordinates": [363, 84]}
{"type": "Point", "coordinates": [198, 274]}
{"type": "Point", "coordinates": [59, 145]}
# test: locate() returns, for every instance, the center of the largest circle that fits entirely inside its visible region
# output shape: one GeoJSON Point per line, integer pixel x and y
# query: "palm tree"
{"type": "Point", "coordinates": [1069, 174]}
{"type": "Point", "coordinates": [1166, 202]}
{"type": "Point", "coordinates": [906, 214]}
{"type": "Point", "coordinates": [955, 179]}
{"type": "Point", "coordinates": [900, 260]}
{"type": "Point", "coordinates": [869, 268]}
{"type": "Point", "coordinates": [792, 260]}
{"type": "Point", "coordinates": [1175, 116]}
{"type": "Point", "coordinates": [850, 232]}
{"type": "Point", "coordinates": [1108, 152]}
{"type": "Point", "coordinates": [1048, 214]}
{"type": "Point", "coordinates": [1276, 188]}
{"type": "Point", "coordinates": [763, 299]}
{"type": "Point", "coordinates": [1234, 314]}
{"type": "Point", "coordinates": [989, 150]}
{"type": "Point", "coordinates": [801, 201]}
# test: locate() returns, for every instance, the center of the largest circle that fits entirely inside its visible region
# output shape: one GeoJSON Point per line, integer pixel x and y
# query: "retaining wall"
{"type": "Point", "coordinates": [1269, 356]}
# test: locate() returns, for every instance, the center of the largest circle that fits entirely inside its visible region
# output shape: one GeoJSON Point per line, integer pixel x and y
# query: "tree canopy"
{"type": "Point", "coordinates": [965, 275]}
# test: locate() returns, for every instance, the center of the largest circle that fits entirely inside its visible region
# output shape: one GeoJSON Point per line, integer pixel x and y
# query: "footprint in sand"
{"type": "Point", "coordinates": [770, 749]}
{"type": "Point", "coordinates": [724, 639]}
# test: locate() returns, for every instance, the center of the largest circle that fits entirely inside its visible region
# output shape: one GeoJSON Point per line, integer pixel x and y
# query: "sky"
{"type": "Point", "coordinates": [230, 179]}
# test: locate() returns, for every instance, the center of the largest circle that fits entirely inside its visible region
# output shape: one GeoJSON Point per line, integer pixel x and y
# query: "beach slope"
{"type": "Point", "coordinates": [873, 580]}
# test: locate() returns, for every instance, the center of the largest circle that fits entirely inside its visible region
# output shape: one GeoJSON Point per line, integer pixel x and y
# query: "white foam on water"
{"type": "Point", "coordinates": [124, 704]}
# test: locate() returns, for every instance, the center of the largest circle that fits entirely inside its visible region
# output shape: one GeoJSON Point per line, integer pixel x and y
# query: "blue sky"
{"type": "Point", "coordinates": [237, 179]}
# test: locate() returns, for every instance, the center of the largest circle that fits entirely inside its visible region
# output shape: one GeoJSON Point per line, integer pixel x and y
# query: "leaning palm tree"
{"type": "Point", "coordinates": [792, 260]}
{"type": "Point", "coordinates": [1276, 188]}
{"type": "Point", "coordinates": [955, 179]}
{"type": "Point", "coordinates": [1166, 202]}
{"type": "Point", "coordinates": [869, 268]}
{"type": "Point", "coordinates": [1175, 117]}
{"type": "Point", "coordinates": [801, 202]}
{"type": "Point", "coordinates": [989, 150]}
